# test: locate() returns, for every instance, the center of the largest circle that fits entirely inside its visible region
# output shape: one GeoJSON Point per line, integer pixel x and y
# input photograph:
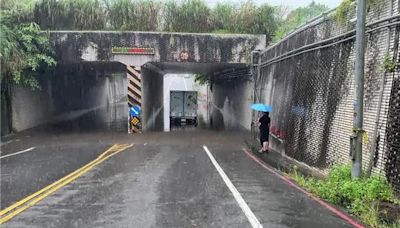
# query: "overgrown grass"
{"type": "Point", "coordinates": [360, 197]}
{"type": "Point", "coordinates": [343, 10]}
{"type": "Point", "coordinates": [348, 8]}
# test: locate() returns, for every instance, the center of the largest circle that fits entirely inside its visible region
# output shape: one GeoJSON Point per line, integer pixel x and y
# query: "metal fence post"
{"type": "Point", "coordinates": [358, 131]}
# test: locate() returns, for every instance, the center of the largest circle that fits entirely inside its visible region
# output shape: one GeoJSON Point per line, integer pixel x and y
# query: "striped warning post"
{"type": "Point", "coordinates": [134, 93]}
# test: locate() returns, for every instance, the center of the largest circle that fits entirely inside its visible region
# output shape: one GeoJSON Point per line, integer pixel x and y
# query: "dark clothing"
{"type": "Point", "coordinates": [264, 128]}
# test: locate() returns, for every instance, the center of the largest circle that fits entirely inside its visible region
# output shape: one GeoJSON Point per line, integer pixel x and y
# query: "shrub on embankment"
{"type": "Point", "coordinates": [171, 16]}
{"type": "Point", "coordinates": [371, 199]}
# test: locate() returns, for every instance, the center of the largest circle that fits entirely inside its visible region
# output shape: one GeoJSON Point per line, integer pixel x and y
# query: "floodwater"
{"type": "Point", "coordinates": [163, 180]}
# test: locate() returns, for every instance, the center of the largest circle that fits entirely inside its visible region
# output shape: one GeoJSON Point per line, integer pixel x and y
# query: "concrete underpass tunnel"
{"type": "Point", "coordinates": [92, 96]}
{"type": "Point", "coordinates": [88, 88]}
{"type": "Point", "coordinates": [223, 103]}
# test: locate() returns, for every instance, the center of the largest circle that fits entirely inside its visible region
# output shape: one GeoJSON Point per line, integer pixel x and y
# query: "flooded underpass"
{"type": "Point", "coordinates": [65, 174]}
{"type": "Point", "coordinates": [82, 169]}
{"type": "Point", "coordinates": [154, 179]}
{"type": "Point", "coordinates": [72, 163]}
{"type": "Point", "coordinates": [93, 96]}
{"type": "Point", "coordinates": [221, 102]}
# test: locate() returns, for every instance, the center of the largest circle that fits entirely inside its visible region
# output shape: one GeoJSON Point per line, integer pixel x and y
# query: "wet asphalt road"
{"type": "Point", "coordinates": [164, 180]}
{"type": "Point", "coordinates": [24, 174]}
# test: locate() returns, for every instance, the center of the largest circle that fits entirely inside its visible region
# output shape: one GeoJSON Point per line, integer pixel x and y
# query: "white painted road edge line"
{"type": "Point", "coordinates": [20, 152]}
{"type": "Point", "coordinates": [239, 199]}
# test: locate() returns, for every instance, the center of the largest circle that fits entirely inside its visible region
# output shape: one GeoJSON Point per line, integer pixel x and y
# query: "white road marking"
{"type": "Point", "coordinates": [239, 199]}
{"type": "Point", "coordinates": [20, 152]}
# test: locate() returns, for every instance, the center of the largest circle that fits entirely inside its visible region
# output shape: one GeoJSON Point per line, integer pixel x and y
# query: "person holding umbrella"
{"type": "Point", "coordinates": [264, 123]}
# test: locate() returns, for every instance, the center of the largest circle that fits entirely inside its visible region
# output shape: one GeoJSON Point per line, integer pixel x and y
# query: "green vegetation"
{"type": "Point", "coordinates": [222, 17]}
{"type": "Point", "coordinates": [69, 14]}
{"type": "Point", "coordinates": [344, 10]}
{"type": "Point", "coordinates": [187, 16]}
{"type": "Point", "coordinates": [390, 65]}
{"type": "Point", "coordinates": [154, 15]}
{"type": "Point", "coordinates": [361, 197]}
{"type": "Point", "coordinates": [252, 19]}
{"type": "Point", "coordinates": [24, 50]}
{"type": "Point", "coordinates": [348, 7]}
{"type": "Point", "coordinates": [298, 17]}
{"type": "Point", "coordinates": [133, 15]}
{"type": "Point", "coordinates": [201, 79]}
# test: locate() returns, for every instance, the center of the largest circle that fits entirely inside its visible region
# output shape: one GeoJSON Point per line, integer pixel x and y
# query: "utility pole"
{"type": "Point", "coordinates": [356, 169]}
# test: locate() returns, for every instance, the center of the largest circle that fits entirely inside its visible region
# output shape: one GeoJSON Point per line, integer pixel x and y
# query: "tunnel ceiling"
{"type": "Point", "coordinates": [195, 68]}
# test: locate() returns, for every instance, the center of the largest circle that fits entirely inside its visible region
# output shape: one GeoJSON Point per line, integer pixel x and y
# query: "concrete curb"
{"type": "Point", "coordinates": [283, 163]}
{"type": "Point", "coordinates": [338, 211]}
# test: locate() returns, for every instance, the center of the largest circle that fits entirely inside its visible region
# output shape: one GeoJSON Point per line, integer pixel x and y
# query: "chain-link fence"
{"type": "Point", "coordinates": [308, 78]}
{"type": "Point", "coordinates": [392, 149]}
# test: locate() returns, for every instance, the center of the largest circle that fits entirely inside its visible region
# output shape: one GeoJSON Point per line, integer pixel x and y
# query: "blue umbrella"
{"type": "Point", "coordinates": [261, 107]}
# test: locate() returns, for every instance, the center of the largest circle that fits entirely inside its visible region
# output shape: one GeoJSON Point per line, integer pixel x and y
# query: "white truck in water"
{"type": "Point", "coordinates": [183, 108]}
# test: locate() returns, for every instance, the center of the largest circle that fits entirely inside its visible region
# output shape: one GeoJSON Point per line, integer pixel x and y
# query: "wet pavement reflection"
{"type": "Point", "coordinates": [164, 180]}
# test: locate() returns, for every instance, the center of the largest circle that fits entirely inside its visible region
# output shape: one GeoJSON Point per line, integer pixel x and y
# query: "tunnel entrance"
{"type": "Point", "coordinates": [171, 99]}
{"type": "Point", "coordinates": [92, 96]}
{"type": "Point", "coordinates": [88, 88]}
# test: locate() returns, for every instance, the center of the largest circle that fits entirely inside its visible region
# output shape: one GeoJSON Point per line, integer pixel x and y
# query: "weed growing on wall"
{"type": "Point", "coordinates": [389, 64]}
{"type": "Point", "coordinates": [201, 79]}
{"type": "Point", "coordinates": [348, 7]}
{"type": "Point", "coordinates": [343, 10]}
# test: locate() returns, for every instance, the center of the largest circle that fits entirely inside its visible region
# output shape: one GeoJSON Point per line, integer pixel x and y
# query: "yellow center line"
{"type": "Point", "coordinates": [43, 193]}
{"type": "Point", "coordinates": [17, 204]}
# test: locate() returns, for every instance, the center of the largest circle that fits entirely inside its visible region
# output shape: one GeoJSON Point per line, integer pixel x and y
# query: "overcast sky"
{"type": "Point", "coordinates": [291, 3]}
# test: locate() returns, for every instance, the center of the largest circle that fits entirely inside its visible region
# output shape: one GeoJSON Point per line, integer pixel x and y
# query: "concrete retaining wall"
{"type": "Point", "coordinates": [77, 96]}
{"type": "Point", "coordinates": [312, 90]}
{"type": "Point", "coordinates": [152, 99]}
{"type": "Point", "coordinates": [29, 108]}
{"type": "Point", "coordinates": [231, 102]}
{"type": "Point", "coordinates": [5, 112]}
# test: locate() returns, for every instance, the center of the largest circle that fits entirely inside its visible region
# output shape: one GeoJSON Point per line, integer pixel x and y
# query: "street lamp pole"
{"type": "Point", "coordinates": [358, 131]}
